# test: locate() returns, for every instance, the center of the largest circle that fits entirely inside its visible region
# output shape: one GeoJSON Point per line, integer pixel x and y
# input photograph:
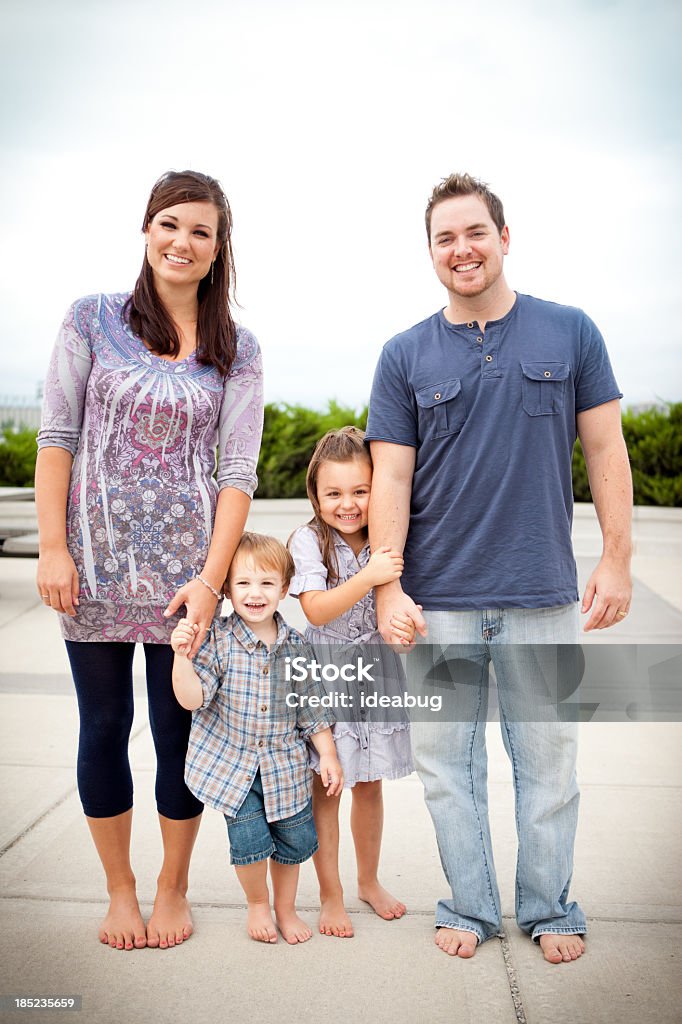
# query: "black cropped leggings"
{"type": "Point", "coordinates": [103, 675]}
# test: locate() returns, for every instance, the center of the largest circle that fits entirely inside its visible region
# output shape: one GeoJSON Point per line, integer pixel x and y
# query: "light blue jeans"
{"type": "Point", "coordinates": [450, 757]}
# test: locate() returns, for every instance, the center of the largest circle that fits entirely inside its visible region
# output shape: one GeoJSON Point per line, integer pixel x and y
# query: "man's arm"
{"type": "Point", "coordinates": [389, 517]}
{"type": "Point", "coordinates": [609, 589]}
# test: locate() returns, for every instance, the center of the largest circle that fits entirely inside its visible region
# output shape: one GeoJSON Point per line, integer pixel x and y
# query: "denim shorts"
{"type": "Point", "coordinates": [253, 838]}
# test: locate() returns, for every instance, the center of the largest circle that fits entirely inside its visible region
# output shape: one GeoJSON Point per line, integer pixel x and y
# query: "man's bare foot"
{"type": "Point", "coordinates": [123, 927]}
{"type": "Point", "coordinates": [259, 923]}
{"type": "Point", "coordinates": [334, 919]}
{"type": "Point", "coordinates": [171, 920]}
{"type": "Point", "coordinates": [381, 901]}
{"type": "Point", "coordinates": [293, 929]}
{"type": "Point", "coordinates": [456, 942]}
{"type": "Point", "coordinates": [561, 948]}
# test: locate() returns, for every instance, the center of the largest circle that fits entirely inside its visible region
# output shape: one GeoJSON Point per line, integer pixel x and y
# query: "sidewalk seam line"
{"type": "Point", "coordinates": [514, 987]}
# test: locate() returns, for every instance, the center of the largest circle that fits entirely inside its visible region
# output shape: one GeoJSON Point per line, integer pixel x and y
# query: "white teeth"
{"type": "Point", "coordinates": [462, 267]}
{"type": "Point", "coordinates": [176, 259]}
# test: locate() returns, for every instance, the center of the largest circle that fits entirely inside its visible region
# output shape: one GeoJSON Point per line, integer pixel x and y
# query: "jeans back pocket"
{"type": "Point", "coordinates": [441, 409]}
{"type": "Point", "coordinates": [544, 387]}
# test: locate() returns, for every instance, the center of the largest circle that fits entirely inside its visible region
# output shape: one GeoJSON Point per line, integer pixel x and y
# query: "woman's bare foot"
{"type": "Point", "coordinates": [456, 942]}
{"type": "Point", "coordinates": [293, 929]}
{"type": "Point", "coordinates": [381, 901]}
{"type": "Point", "coordinates": [561, 948]}
{"type": "Point", "coordinates": [334, 919]}
{"type": "Point", "coordinates": [123, 927]}
{"type": "Point", "coordinates": [259, 923]}
{"type": "Point", "coordinates": [171, 920]}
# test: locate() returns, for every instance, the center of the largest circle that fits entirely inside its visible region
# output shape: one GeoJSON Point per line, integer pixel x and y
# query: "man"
{"type": "Point", "coordinates": [473, 417]}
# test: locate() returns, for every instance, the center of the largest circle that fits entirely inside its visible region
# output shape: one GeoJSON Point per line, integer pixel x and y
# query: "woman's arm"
{"type": "Point", "coordinates": [62, 418]}
{"type": "Point", "coordinates": [57, 575]}
{"type": "Point", "coordinates": [240, 428]}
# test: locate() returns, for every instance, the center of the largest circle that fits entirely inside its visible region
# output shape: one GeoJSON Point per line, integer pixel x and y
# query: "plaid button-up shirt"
{"type": "Point", "coordinates": [245, 724]}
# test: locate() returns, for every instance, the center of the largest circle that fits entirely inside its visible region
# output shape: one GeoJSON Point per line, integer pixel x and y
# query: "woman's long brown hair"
{"type": "Point", "coordinates": [342, 445]}
{"type": "Point", "coordinates": [146, 313]}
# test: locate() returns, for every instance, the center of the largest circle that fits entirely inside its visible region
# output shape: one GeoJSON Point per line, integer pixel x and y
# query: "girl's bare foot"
{"type": "Point", "coordinates": [259, 923]}
{"type": "Point", "coordinates": [561, 948]}
{"type": "Point", "coordinates": [334, 919]}
{"type": "Point", "coordinates": [171, 920]}
{"type": "Point", "coordinates": [381, 901]}
{"type": "Point", "coordinates": [293, 929]}
{"type": "Point", "coordinates": [123, 927]}
{"type": "Point", "coordinates": [456, 942]}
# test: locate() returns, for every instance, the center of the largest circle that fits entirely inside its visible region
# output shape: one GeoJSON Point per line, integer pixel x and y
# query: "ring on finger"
{"type": "Point", "coordinates": [621, 615]}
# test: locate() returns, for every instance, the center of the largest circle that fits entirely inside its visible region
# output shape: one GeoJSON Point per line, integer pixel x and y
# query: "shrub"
{"type": "Point", "coordinates": [17, 457]}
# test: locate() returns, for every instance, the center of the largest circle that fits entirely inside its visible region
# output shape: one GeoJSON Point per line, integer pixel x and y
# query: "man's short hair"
{"type": "Point", "coordinates": [464, 185]}
{"type": "Point", "coordinates": [266, 552]}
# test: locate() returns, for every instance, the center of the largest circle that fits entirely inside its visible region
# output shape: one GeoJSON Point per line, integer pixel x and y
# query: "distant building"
{"type": "Point", "coordinates": [20, 412]}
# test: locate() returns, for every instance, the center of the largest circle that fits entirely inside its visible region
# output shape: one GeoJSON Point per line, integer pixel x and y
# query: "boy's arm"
{"type": "Point", "coordinates": [331, 771]}
{"type": "Point", "coordinates": [186, 685]}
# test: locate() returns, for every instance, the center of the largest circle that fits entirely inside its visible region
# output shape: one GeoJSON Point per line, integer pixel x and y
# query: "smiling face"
{"type": "Point", "coordinates": [182, 242]}
{"type": "Point", "coordinates": [466, 247]}
{"type": "Point", "coordinates": [343, 490]}
{"type": "Point", "coordinates": [254, 590]}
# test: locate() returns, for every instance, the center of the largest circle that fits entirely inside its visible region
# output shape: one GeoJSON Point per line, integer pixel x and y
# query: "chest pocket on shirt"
{"type": "Point", "coordinates": [544, 387]}
{"type": "Point", "coordinates": [441, 409]}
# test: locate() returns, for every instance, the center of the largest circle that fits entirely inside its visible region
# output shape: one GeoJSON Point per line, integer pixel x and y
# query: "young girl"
{"type": "Point", "coordinates": [334, 581]}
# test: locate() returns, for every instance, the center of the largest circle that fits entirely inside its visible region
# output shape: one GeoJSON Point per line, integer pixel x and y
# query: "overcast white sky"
{"type": "Point", "coordinates": [328, 124]}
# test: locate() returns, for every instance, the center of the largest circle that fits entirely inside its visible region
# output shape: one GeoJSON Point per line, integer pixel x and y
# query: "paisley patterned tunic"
{"type": "Point", "coordinates": [143, 432]}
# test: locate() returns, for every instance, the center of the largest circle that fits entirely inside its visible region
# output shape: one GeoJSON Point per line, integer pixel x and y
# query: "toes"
{"type": "Point", "coordinates": [128, 940]}
{"type": "Point", "coordinates": [153, 940]}
{"type": "Point", "coordinates": [179, 937]}
{"type": "Point", "coordinates": [140, 941]}
{"type": "Point", "coordinates": [466, 950]}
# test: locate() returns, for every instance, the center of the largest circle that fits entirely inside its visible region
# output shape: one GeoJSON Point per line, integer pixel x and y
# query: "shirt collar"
{"type": "Point", "coordinates": [246, 636]}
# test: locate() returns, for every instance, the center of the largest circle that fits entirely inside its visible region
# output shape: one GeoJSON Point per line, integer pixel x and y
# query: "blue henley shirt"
{"type": "Point", "coordinates": [493, 419]}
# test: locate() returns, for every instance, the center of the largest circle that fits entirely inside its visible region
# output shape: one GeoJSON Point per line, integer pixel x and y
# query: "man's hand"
{"type": "Point", "coordinates": [392, 601]}
{"type": "Point", "coordinates": [608, 593]}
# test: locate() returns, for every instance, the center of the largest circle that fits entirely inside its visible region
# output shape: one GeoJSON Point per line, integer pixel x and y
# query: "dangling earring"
{"type": "Point", "coordinates": [212, 268]}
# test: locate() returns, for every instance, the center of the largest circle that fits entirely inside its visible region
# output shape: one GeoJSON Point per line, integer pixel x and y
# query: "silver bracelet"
{"type": "Point", "coordinates": [216, 593]}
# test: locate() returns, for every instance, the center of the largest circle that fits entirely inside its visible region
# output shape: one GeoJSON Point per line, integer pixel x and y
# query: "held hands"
{"type": "Point", "coordinates": [183, 636]}
{"type": "Point", "coordinates": [200, 604]}
{"type": "Point", "coordinates": [57, 581]}
{"type": "Point", "coordinates": [385, 566]}
{"type": "Point", "coordinates": [331, 774]}
{"type": "Point", "coordinates": [393, 607]}
{"type": "Point", "coordinates": [608, 593]}
{"type": "Point", "coordinates": [403, 629]}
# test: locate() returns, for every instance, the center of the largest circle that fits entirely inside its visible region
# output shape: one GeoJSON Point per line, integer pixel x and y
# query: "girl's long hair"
{"type": "Point", "coordinates": [342, 445]}
{"type": "Point", "coordinates": [146, 313]}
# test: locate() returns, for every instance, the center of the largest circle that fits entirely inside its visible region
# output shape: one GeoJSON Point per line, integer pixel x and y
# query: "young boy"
{"type": "Point", "coordinates": [247, 748]}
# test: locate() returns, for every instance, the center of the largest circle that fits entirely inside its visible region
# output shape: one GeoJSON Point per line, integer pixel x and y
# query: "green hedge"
{"type": "Point", "coordinates": [653, 438]}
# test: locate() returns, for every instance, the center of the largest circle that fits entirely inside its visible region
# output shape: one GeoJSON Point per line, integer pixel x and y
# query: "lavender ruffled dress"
{"type": "Point", "coordinates": [368, 748]}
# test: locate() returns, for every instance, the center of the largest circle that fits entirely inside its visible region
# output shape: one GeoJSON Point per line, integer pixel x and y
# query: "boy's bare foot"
{"type": "Point", "coordinates": [259, 923]}
{"type": "Point", "coordinates": [334, 919]}
{"type": "Point", "coordinates": [123, 927]}
{"type": "Point", "coordinates": [456, 942]}
{"type": "Point", "coordinates": [293, 929]}
{"type": "Point", "coordinates": [561, 948]}
{"type": "Point", "coordinates": [171, 920]}
{"type": "Point", "coordinates": [381, 901]}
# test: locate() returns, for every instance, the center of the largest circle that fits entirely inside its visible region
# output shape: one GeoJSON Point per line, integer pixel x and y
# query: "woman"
{"type": "Point", "coordinates": [132, 524]}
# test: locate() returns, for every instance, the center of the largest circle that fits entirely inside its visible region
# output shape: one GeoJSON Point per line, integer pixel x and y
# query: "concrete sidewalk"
{"type": "Point", "coordinates": [51, 891]}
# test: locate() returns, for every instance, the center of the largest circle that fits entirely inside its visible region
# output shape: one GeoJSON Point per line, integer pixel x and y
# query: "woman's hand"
{"type": "Point", "coordinates": [57, 580]}
{"type": "Point", "coordinates": [201, 605]}
{"type": "Point", "coordinates": [384, 566]}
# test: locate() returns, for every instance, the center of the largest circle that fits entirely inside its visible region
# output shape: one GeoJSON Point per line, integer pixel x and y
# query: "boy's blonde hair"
{"type": "Point", "coordinates": [267, 552]}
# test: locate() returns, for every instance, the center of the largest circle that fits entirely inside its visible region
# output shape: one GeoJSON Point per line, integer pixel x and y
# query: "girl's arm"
{"type": "Point", "coordinates": [322, 606]}
{"type": "Point", "coordinates": [239, 434]}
